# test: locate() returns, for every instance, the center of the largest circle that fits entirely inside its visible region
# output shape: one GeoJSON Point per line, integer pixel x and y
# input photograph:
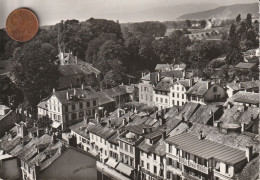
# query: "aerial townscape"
{"type": "Point", "coordinates": [154, 100]}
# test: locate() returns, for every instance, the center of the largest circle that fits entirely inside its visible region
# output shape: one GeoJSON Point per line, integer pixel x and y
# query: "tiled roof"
{"type": "Point", "coordinates": [43, 105]}
{"type": "Point", "coordinates": [146, 77]}
{"type": "Point", "coordinates": [231, 139]}
{"type": "Point", "coordinates": [165, 84]}
{"type": "Point", "coordinates": [229, 118]}
{"type": "Point", "coordinates": [104, 98]}
{"type": "Point", "coordinates": [206, 149]}
{"type": "Point", "coordinates": [243, 65]}
{"type": "Point", "coordinates": [85, 94]}
{"type": "Point", "coordinates": [199, 89]}
{"type": "Point", "coordinates": [182, 127]}
{"type": "Point", "coordinates": [137, 129]}
{"type": "Point", "coordinates": [249, 114]}
{"type": "Point", "coordinates": [244, 85]}
{"type": "Point", "coordinates": [102, 131]}
{"type": "Point", "coordinates": [163, 66]}
{"type": "Point", "coordinates": [184, 82]}
{"type": "Point", "coordinates": [204, 113]}
{"type": "Point", "coordinates": [245, 97]}
{"type": "Point", "coordinates": [251, 170]}
{"type": "Point", "coordinates": [159, 148]}
{"type": "Point", "coordinates": [81, 128]}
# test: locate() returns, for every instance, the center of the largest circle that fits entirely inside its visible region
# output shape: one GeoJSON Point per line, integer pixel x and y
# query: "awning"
{"type": "Point", "coordinates": [111, 162]}
{"type": "Point", "coordinates": [56, 124]}
{"type": "Point", "coordinates": [124, 169]}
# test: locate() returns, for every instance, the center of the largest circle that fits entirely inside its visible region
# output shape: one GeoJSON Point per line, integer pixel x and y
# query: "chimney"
{"type": "Point", "coordinates": [76, 60]}
{"type": "Point", "coordinates": [216, 123]}
{"type": "Point", "coordinates": [82, 86]}
{"type": "Point", "coordinates": [74, 91]}
{"type": "Point", "coordinates": [144, 130]}
{"type": "Point", "coordinates": [249, 152]}
{"type": "Point", "coordinates": [124, 122]}
{"type": "Point", "coordinates": [53, 90]}
{"type": "Point", "coordinates": [109, 123]}
{"type": "Point", "coordinates": [98, 118]}
{"type": "Point", "coordinates": [242, 127]}
{"type": "Point", "coordinates": [184, 74]}
{"type": "Point", "coordinates": [161, 121]}
{"type": "Point", "coordinates": [200, 135]}
{"type": "Point", "coordinates": [67, 95]}
{"type": "Point", "coordinates": [191, 81]}
{"type": "Point", "coordinates": [86, 120]}
{"type": "Point", "coordinates": [163, 134]}
{"type": "Point", "coordinates": [61, 55]}
{"type": "Point", "coordinates": [53, 138]}
{"type": "Point", "coordinates": [208, 84]}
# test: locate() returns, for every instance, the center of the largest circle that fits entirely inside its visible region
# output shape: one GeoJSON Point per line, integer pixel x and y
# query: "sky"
{"type": "Point", "coordinates": [53, 11]}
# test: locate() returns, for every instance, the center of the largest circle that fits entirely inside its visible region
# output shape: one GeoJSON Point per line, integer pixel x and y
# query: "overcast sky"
{"type": "Point", "coordinates": [52, 11]}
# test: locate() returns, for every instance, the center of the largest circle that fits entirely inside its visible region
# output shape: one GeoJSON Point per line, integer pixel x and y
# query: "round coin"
{"type": "Point", "coordinates": [22, 24]}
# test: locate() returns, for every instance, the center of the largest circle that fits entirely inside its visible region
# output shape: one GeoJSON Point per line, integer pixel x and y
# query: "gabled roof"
{"type": "Point", "coordinates": [204, 113]}
{"type": "Point", "coordinates": [206, 149]}
{"type": "Point", "coordinates": [162, 66]}
{"type": "Point", "coordinates": [137, 129]}
{"type": "Point", "coordinates": [165, 84]}
{"type": "Point", "coordinates": [199, 89]}
{"type": "Point", "coordinates": [245, 97]}
{"type": "Point", "coordinates": [243, 65]}
{"type": "Point", "coordinates": [184, 82]}
{"type": "Point", "coordinates": [244, 85]}
{"type": "Point", "coordinates": [232, 139]}
{"type": "Point", "coordinates": [81, 95]}
{"type": "Point", "coordinates": [153, 77]}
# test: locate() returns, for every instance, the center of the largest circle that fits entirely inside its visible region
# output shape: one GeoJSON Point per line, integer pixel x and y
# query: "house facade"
{"type": "Point", "coordinates": [68, 107]}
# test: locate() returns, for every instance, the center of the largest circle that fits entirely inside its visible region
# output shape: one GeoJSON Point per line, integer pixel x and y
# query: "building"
{"type": "Point", "coordinates": [243, 99]}
{"type": "Point", "coordinates": [178, 91]}
{"type": "Point", "coordinates": [205, 92]}
{"type": "Point", "coordinates": [243, 66]}
{"type": "Point", "coordinates": [192, 157]}
{"type": "Point", "coordinates": [179, 67]}
{"type": "Point", "coordinates": [68, 107]}
{"type": "Point", "coordinates": [150, 80]}
{"type": "Point", "coordinates": [9, 167]}
{"type": "Point", "coordinates": [248, 86]}
{"type": "Point", "coordinates": [162, 93]}
{"type": "Point", "coordinates": [74, 72]}
{"type": "Point", "coordinates": [8, 118]}
{"type": "Point", "coordinates": [163, 67]}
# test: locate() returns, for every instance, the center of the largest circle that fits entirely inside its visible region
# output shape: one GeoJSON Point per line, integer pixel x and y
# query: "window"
{"type": "Point", "coordinates": [156, 99]}
{"type": "Point", "coordinates": [66, 117]}
{"type": "Point", "coordinates": [110, 153]}
{"type": "Point", "coordinates": [111, 145]}
{"type": "Point", "coordinates": [166, 101]}
{"type": "Point", "coordinates": [131, 149]}
{"type": "Point", "coordinates": [59, 117]}
{"type": "Point", "coordinates": [182, 88]}
{"type": "Point", "coordinates": [154, 169]}
{"type": "Point", "coordinates": [131, 161]}
{"type": "Point", "coordinates": [81, 114]}
{"type": "Point", "coordinates": [141, 88]}
{"type": "Point", "coordinates": [94, 103]}
{"type": "Point", "coordinates": [93, 111]}
{"type": "Point", "coordinates": [126, 147]}
{"type": "Point", "coordinates": [58, 109]}
{"type": "Point", "coordinates": [177, 95]}
{"type": "Point", "coordinates": [177, 88]}
{"type": "Point", "coordinates": [73, 107]}
{"type": "Point", "coordinates": [227, 167]}
{"type": "Point", "coordinates": [215, 89]}
{"type": "Point", "coordinates": [88, 104]}
{"type": "Point", "coordinates": [170, 161]}
{"type": "Point", "coordinates": [170, 148]}
{"type": "Point", "coordinates": [161, 100]}
{"type": "Point", "coordinates": [88, 112]}
{"type": "Point", "coordinates": [80, 105]}
{"type": "Point", "coordinates": [54, 116]}
{"type": "Point", "coordinates": [182, 96]}
{"type": "Point", "coordinates": [66, 108]}
{"type": "Point", "coordinates": [100, 139]}
{"type": "Point", "coordinates": [148, 166]}
{"type": "Point", "coordinates": [142, 163]}
{"type": "Point", "coordinates": [172, 102]}
{"type": "Point", "coordinates": [74, 116]}
{"type": "Point", "coordinates": [154, 157]}
{"type": "Point", "coordinates": [121, 145]}
{"type": "Point", "coordinates": [54, 108]}
{"type": "Point", "coordinates": [172, 94]}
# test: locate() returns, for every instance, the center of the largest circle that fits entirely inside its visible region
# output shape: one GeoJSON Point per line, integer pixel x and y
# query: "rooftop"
{"type": "Point", "coordinates": [244, 85]}
{"type": "Point", "coordinates": [204, 113]}
{"type": "Point", "coordinates": [243, 65]}
{"type": "Point", "coordinates": [245, 97]}
{"type": "Point", "coordinates": [199, 89]}
{"type": "Point", "coordinates": [165, 84]}
{"type": "Point", "coordinates": [163, 66]}
{"type": "Point", "coordinates": [206, 149]}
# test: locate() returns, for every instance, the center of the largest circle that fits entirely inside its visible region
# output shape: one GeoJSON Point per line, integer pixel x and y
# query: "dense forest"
{"type": "Point", "coordinates": [117, 49]}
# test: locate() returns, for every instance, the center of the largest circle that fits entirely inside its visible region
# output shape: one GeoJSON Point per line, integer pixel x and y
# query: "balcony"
{"type": "Point", "coordinates": [194, 165]}
{"type": "Point", "coordinates": [222, 176]}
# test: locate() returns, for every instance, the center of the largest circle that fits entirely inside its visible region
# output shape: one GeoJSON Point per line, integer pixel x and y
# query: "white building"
{"type": "Point", "coordinates": [68, 107]}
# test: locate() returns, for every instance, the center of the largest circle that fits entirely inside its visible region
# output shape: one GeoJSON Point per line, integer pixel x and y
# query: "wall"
{"type": "Point", "coordinates": [146, 93]}
{"type": "Point", "coordinates": [161, 101]}
{"type": "Point", "coordinates": [209, 95]}
{"type": "Point", "coordinates": [180, 91]}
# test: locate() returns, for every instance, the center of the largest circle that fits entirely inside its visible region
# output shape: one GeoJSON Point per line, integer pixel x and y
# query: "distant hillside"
{"type": "Point", "coordinates": [224, 12]}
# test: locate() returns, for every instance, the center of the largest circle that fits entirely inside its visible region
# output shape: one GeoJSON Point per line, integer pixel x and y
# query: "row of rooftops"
{"type": "Point", "coordinates": [247, 85]}
{"type": "Point", "coordinates": [184, 123]}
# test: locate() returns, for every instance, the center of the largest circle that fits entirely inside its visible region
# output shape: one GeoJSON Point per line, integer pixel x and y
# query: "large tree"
{"type": "Point", "coordinates": [34, 70]}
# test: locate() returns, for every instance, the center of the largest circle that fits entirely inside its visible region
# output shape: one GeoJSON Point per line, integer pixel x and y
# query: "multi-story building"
{"type": "Point", "coordinates": [178, 91]}
{"type": "Point", "coordinates": [192, 157]}
{"type": "Point", "coordinates": [68, 107]}
{"type": "Point", "coordinates": [248, 86]}
{"type": "Point", "coordinates": [205, 92]}
{"type": "Point", "coordinates": [150, 81]}
{"type": "Point", "coordinates": [162, 93]}
{"type": "Point", "coordinates": [73, 72]}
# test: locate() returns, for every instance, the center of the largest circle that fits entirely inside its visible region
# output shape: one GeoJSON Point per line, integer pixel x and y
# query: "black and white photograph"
{"type": "Point", "coordinates": [129, 90]}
